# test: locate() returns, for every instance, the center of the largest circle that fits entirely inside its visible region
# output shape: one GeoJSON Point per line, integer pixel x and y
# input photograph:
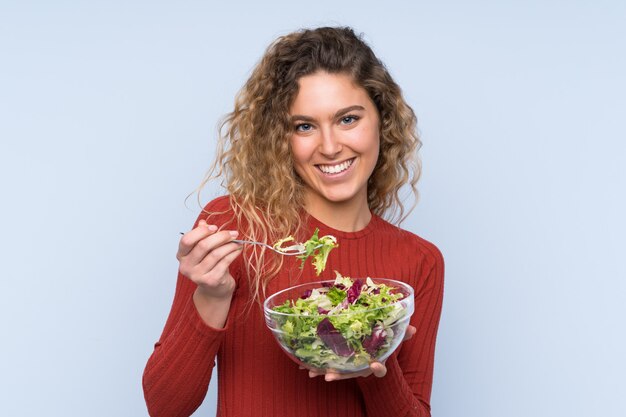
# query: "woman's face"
{"type": "Point", "coordinates": [335, 139]}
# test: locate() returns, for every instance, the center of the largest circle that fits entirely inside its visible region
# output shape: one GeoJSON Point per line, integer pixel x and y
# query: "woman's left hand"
{"type": "Point", "coordinates": [378, 369]}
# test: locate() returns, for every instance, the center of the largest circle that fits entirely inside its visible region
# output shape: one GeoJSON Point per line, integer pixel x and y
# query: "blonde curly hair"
{"type": "Point", "coordinates": [254, 157]}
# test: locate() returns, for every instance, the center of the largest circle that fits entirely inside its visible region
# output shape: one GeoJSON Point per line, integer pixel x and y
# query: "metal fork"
{"type": "Point", "coordinates": [288, 251]}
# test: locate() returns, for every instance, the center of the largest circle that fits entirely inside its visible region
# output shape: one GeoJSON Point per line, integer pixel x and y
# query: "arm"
{"type": "Point", "coordinates": [405, 389]}
{"type": "Point", "coordinates": [177, 374]}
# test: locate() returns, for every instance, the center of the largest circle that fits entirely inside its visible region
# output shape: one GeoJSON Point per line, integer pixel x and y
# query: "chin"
{"type": "Point", "coordinates": [338, 198]}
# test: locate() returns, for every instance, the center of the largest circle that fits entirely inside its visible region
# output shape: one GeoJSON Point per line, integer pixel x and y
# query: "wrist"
{"type": "Point", "coordinates": [221, 293]}
{"type": "Point", "coordinates": [213, 310]}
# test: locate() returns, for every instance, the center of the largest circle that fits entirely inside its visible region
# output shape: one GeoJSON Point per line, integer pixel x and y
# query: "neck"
{"type": "Point", "coordinates": [350, 216]}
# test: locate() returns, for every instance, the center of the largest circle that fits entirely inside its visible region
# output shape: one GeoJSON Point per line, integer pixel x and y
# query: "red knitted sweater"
{"type": "Point", "coordinates": [256, 378]}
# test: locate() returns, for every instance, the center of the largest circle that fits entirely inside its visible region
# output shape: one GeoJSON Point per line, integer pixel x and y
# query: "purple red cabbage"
{"type": "Point", "coordinates": [321, 310]}
{"type": "Point", "coordinates": [354, 291]}
{"type": "Point", "coordinates": [374, 341]}
{"type": "Point", "coordinates": [306, 294]}
{"type": "Point", "coordinates": [333, 338]}
{"type": "Point", "coordinates": [332, 284]}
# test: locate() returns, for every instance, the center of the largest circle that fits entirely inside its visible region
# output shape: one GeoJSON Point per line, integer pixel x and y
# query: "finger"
{"type": "Point", "coordinates": [191, 238]}
{"type": "Point", "coordinates": [313, 374]}
{"type": "Point", "coordinates": [219, 270]}
{"type": "Point", "coordinates": [210, 243]}
{"type": "Point", "coordinates": [214, 257]}
{"type": "Point", "coordinates": [331, 376]}
{"type": "Point", "coordinates": [378, 369]}
{"type": "Point", "coordinates": [335, 376]}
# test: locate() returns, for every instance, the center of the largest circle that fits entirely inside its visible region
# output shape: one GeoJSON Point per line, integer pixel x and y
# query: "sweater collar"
{"type": "Point", "coordinates": [313, 223]}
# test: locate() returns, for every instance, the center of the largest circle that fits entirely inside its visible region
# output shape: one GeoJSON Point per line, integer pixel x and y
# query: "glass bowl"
{"type": "Point", "coordinates": [365, 326]}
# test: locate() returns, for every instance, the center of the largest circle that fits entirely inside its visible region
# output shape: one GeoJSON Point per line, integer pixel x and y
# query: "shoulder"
{"type": "Point", "coordinates": [220, 203]}
{"type": "Point", "coordinates": [218, 211]}
{"type": "Point", "coordinates": [409, 245]}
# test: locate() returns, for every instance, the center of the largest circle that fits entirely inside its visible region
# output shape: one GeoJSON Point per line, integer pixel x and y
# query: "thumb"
{"type": "Point", "coordinates": [378, 369]}
{"type": "Point", "coordinates": [410, 332]}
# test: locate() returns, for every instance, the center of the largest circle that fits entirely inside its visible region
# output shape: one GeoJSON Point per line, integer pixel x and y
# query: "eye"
{"type": "Point", "coordinates": [348, 120]}
{"type": "Point", "coordinates": [303, 127]}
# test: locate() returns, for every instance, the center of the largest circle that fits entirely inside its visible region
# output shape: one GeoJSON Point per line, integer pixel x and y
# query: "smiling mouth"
{"type": "Point", "coordinates": [336, 168]}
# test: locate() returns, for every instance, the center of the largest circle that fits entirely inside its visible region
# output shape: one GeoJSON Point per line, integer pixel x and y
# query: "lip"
{"type": "Point", "coordinates": [337, 174]}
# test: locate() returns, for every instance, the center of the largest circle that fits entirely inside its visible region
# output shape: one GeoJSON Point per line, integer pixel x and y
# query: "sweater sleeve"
{"type": "Point", "coordinates": [177, 375]}
{"type": "Point", "coordinates": [405, 389]}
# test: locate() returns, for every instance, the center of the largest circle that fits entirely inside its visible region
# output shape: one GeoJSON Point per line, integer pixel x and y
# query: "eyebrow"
{"type": "Point", "coordinates": [338, 114]}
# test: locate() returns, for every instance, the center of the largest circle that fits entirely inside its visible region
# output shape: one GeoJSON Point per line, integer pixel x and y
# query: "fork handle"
{"type": "Point", "coordinates": [280, 252]}
{"type": "Point", "coordinates": [249, 242]}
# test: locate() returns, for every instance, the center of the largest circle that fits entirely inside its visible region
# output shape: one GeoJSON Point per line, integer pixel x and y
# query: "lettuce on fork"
{"type": "Point", "coordinates": [316, 247]}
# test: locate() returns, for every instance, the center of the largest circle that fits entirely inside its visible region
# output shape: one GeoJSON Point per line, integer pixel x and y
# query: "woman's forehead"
{"type": "Point", "coordinates": [324, 92]}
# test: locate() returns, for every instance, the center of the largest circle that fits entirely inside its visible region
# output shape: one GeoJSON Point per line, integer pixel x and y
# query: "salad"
{"type": "Point", "coordinates": [316, 247]}
{"type": "Point", "coordinates": [344, 325]}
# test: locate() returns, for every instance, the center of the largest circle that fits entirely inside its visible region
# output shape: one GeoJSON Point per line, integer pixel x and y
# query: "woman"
{"type": "Point", "coordinates": [320, 137]}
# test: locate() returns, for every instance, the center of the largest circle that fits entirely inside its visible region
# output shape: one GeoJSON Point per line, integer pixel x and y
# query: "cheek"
{"type": "Point", "coordinates": [367, 141]}
{"type": "Point", "coordinates": [300, 151]}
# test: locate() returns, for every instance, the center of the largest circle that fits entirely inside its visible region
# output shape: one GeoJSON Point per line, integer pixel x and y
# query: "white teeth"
{"type": "Point", "coordinates": [334, 169]}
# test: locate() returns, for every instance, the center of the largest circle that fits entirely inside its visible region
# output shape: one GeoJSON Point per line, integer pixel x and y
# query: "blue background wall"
{"type": "Point", "coordinates": [107, 121]}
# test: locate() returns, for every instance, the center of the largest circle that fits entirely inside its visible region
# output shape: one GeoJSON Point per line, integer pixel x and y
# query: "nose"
{"type": "Point", "coordinates": [330, 145]}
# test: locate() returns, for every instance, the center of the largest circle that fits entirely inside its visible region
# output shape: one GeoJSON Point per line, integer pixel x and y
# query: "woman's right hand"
{"type": "Point", "coordinates": [204, 255]}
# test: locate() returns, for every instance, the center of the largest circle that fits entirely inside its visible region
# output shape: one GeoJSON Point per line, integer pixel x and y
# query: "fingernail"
{"type": "Point", "coordinates": [234, 233]}
{"type": "Point", "coordinates": [212, 227]}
